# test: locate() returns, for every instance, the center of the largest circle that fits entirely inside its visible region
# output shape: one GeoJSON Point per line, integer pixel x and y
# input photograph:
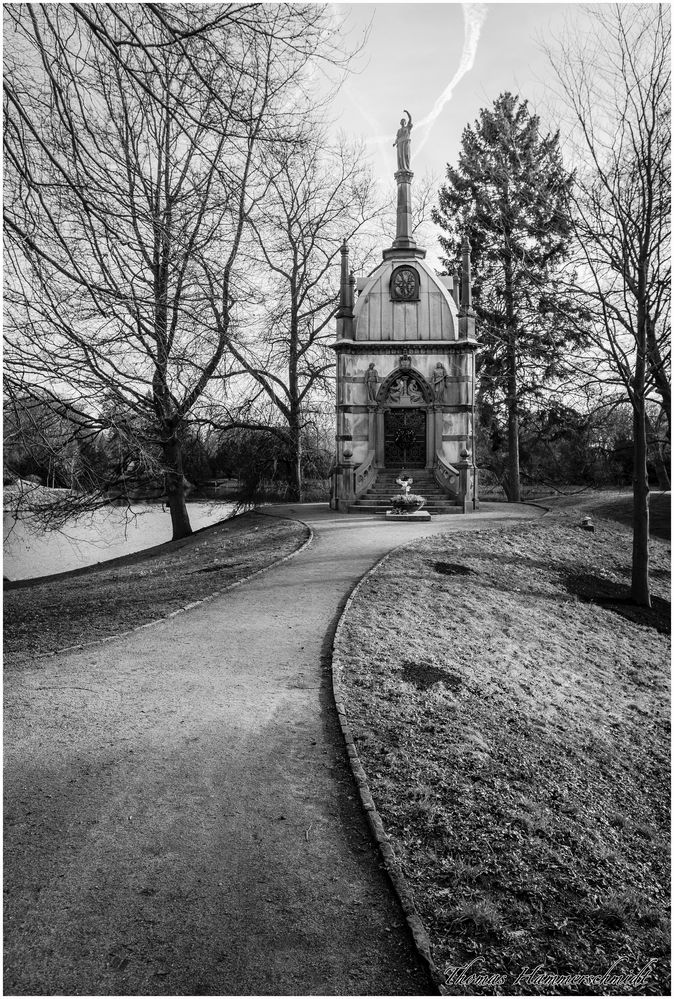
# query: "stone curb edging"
{"type": "Point", "coordinates": [195, 603]}
{"type": "Point", "coordinates": [393, 867]}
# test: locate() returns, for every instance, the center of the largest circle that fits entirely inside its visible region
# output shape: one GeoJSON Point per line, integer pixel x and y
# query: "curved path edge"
{"type": "Point", "coordinates": [393, 867]}
{"type": "Point", "coordinates": [195, 603]}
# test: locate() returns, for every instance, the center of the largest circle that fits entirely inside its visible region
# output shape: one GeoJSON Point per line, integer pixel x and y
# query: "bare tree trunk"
{"type": "Point", "coordinates": [175, 489]}
{"type": "Point", "coordinates": [296, 482]}
{"type": "Point", "coordinates": [514, 495]}
{"type": "Point", "coordinates": [294, 416]}
{"type": "Point", "coordinates": [295, 431]}
{"type": "Point", "coordinates": [513, 429]}
{"type": "Point", "coordinates": [641, 593]}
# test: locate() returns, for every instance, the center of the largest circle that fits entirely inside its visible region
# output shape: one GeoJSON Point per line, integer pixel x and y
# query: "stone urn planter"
{"type": "Point", "coordinates": [407, 506]}
{"type": "Point", "coordinates": [407, 503]}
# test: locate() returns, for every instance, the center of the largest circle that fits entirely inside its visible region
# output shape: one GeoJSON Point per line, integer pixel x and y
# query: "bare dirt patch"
{"type": "Point", "coordinates": [514, 726]}
{"type": "Point", "coordinates": [96, 603]}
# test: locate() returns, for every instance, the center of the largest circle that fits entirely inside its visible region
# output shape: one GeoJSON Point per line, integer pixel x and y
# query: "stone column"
{"type": "Point", "coordinates": [466, 314]}
{"type": "Point", "coordinates": [336, 471]}
{"type": "Point", "coordinates": [345, 311]}
{"type": "Point", "coordinates": [403, 238]}
{"type": "Point", "coordinates": [379, 439]}
{"type": "Point", "coordinates": [465, 481]}
{"type": "Point", "coordinates": [346, 463]}
{"type": "Point", "coordinates": [438, 429]}
{"type": "Point", "coordinates": [430, 437]}
{"type": "Point", "coordinates": [371, 427]}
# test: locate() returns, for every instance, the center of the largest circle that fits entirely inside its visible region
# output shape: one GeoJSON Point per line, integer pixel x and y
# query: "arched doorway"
{"type": "Point", "coordinates": [405, 438]}
{"type": "Point", "coordinates": [402, 431]}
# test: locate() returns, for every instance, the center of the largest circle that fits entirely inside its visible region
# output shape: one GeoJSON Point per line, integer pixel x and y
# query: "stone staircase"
{"type": "Point", "coordinates": [378, 498]}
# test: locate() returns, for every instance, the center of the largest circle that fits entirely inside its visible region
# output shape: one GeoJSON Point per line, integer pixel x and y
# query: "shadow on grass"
{"type": "Point", "coordinates": [616, 598]}
{"type": "Point", "coordinates": [626, 570]}
{"type": "Point", "coordinates": [451, 568]}
{"type": "Point", "coordinates": [425, 675]}
{"type": "Point", "coordinates": [520, 561]}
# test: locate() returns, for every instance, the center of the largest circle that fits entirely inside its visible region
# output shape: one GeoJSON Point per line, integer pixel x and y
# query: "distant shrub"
{"type": "Point", "coordinates": [279, 491]}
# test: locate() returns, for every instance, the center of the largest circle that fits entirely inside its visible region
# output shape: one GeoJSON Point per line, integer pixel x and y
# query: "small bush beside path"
{"type": "Point", "coordinates": [511, 710]}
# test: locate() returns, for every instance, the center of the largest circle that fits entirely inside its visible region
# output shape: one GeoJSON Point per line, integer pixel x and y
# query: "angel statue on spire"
{"type": "Point", "coordinates": [403, 142]}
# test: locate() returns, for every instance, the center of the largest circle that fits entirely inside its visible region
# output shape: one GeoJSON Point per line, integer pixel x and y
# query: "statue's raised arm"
{"type": "Point", "coordinates": [403, 141]}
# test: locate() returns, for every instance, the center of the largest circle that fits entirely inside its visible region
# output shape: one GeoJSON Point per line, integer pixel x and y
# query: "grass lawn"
{"type": "Point", "coordinates": [511, 711]}
{"type": "Point", "coordinates": [614, 504]}
{"type": "Point", "coordinates": [102, 601]}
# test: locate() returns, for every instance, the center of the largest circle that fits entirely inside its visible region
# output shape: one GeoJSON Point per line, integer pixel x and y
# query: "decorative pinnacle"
{"type": "Point", "coordinates": [345, 310]}
{"type": "Point", "coordinates": [466, 283]}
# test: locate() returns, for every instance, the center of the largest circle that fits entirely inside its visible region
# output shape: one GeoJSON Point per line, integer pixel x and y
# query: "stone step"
{"type": "Point", "coordinates": [422, 484]}
{"type": "Point", "coordinates": [385, 502]}
{"type": "Point", "coordinates": [383, 491]}
{"type": "Point", "coordinates": [382, 484]}
{"type": "Point", "coordinates": [387, 499]}
{"type": "Point", "coordinates": [418, 475]}
{"type": "Point", "coordinates": [377, 499]}
{"type": "Point", "coordinates": [360, 507]}
{"type": "Point", "coordinates": [416, 488]}
{"type": "Point", "coordinates": [391, 486]}
{"type": "Point", "coordinates": [421, 487]}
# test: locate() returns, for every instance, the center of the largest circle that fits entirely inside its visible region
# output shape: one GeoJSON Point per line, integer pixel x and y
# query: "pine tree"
{"type": "Point", "coordinates": [509, 195]}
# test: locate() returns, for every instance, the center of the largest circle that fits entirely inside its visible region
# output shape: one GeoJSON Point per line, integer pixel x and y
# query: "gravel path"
{"type": "Point", "coordinates": [180, 816]}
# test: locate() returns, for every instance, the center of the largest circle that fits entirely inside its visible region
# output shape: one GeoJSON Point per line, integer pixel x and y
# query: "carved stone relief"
{"type": "Point", "coordinates": [405, 390]}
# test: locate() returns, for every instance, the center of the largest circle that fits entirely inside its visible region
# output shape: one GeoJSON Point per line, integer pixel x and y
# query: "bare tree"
{"type": "Point", "coordinates": [615, 82]}
{"type": "Point", "coordinates": [317, 197]}
{"type": "Point", "coordinates": [133, 140]}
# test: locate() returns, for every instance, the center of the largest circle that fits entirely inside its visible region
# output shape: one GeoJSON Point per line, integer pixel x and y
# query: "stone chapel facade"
{"type": "Point", "coordinates": [405, 370]}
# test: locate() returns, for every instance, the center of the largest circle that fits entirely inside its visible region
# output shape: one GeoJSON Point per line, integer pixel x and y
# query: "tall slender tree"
{"type": "Point", "coordinates": [614, 80]}
{"type": "Point", "coordinates": [509, 193]}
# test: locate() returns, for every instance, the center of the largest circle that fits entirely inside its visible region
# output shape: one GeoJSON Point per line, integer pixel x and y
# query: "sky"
{"type": "Point", "coordinates": [415, 51]}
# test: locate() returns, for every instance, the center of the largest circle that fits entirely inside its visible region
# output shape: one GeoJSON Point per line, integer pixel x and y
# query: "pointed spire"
{"type": "Point", "coordinates": [453, 275]}
{"type": "Point", "coordinates": [466, 282]}
{"type": "Point", "coordinates": [466, 314]}
{"type": "Point", "coordinates": [347, 281]}
{"type": "Point", "coordinates": [345, 309]}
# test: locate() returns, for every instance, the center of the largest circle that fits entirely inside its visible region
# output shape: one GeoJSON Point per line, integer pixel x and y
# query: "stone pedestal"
{"type": "Point", "coordinates": [404, 238]}
{"type": "Point", "coordinates": [417, 515]}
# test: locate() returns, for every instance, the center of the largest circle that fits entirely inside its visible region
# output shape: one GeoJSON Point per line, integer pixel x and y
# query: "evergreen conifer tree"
{"type": "Point", "coordinates": [509, 194]}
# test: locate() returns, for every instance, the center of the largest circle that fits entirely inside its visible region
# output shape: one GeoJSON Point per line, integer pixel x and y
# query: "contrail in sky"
{"type": "Point", "coordinates": [474, 15]}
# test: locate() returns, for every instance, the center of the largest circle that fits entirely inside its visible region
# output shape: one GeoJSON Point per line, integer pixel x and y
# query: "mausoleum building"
{"type": "Point", "coordinates": [405, 370]}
